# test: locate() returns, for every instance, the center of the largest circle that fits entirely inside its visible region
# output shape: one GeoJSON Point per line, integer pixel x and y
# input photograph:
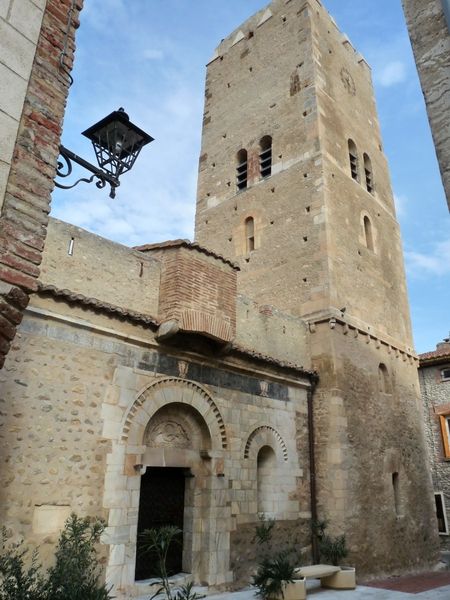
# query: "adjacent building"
{"type": "Point", "coordinates": [434, 375]}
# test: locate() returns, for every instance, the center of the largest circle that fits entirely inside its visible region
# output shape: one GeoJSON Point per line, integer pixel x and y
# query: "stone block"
{"type": "Point", "coordinates": [26, 17]}
{"type": "Point", "coordinates": [116, 554]}
{"type": "Point", "coordinates": [4, 7]}
{"type": "Point", "coordinates": [13, 92]}
{"type": "Point", "coordinates": [8, 127]}
{"type": "Point", "coordinates": [48, 519]}
{"type": "Point", "coordinates": [16, 51]}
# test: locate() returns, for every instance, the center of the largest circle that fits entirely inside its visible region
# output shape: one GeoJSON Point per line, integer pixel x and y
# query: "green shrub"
{"type": "Point", "coordinates": [74, 576]}
{"type": "Point", "coordinates": [18, 582]}
{"type": "Point", "coordinates": [76, 573]}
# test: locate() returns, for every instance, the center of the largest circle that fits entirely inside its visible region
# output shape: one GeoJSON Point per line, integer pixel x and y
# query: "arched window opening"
{"type": "Point", "coordinates": [396, 488]}
{"type": "Point", "coordinates": [265, 156]}
{"type": "Point", "coordinates": [368, 173]}
{"type": "Point", "coordinates": [242, 169]}
{"type": "Point", "coordinates": [384, 384]}
{"type": "Point", "coordinates": [368, 233]}
{"type": "Point", "coordinates": [266, 480]}
{"type": "Point", "coordinates": [353, 157]}
{"type": "Point", "coordinates": [250, 234]}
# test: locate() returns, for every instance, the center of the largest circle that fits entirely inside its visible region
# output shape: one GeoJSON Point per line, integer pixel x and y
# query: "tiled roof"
{"type": "Point", "coordinates": [74, 298]}
{"type": "Point", "coordinates": [441, 354]}
{"type": "Point", "coordinates": [131, 315]}
{"type": "Point", "coordinates": [185, 244]}
{"type": "Point", "coordinates": [236, 348]}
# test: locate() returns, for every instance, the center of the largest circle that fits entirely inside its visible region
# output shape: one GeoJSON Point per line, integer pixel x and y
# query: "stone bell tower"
{"type": "Point", "coordinates": [294, 186]}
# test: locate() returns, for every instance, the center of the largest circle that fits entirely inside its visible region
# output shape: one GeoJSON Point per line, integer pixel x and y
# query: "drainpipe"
{"type": "Point", "coordinates": [312, 467]}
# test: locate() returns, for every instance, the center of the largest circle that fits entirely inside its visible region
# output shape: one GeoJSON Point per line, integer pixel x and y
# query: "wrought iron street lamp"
{"type": "Point", "coordinates": [117, 143]}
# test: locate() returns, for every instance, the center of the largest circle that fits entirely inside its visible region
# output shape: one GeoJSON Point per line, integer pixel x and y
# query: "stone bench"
{"type": "Point", "coordinates": [337, 578]}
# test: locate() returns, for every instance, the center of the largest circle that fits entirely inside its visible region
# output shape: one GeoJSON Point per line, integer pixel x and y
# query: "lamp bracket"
{"type": "Point", "coordinates": [64, 169]}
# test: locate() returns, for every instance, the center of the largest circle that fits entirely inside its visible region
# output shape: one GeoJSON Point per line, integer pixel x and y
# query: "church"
{"type": "Point", "coordinates": [265, 369]}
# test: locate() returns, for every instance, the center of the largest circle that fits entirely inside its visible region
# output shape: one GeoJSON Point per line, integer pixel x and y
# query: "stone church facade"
{"type": "Point", "coordinates": [266, 368]}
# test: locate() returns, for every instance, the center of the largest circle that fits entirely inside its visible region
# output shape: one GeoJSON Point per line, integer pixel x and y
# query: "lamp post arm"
{"type": "Point", "coordinates": [102, 176]}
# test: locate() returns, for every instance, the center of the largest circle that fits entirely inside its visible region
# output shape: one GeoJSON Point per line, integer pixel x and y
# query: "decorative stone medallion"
{"type": "Point", "coordinates": [348, 81]}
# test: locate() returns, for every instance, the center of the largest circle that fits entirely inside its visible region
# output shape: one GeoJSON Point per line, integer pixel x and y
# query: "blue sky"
{"type": "Point", "coordinates": [149, 56]}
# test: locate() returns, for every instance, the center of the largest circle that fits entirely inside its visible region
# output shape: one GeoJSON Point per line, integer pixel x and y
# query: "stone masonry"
{"type": "Point", "coordinates": [434, 375]}
{"type": "Point", "coordinates": [36, 50]}
{"type": "Point", "coordinates": [429, 29]}
{"type": "Point", "coordinates": [280, 336]}
{"type": "Point", "coordinates": [324, 244]}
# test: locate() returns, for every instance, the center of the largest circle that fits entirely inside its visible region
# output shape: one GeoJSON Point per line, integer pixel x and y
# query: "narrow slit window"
{"type": "Point", "coordinates": [353, 157]}
{"type": "Point", "coordinates": [265, 156]}
{"type": "Point", "coordinates": [368, 234]}
{"type": "Point", "coordinates": [242, 170]}
{"type": "Point", "coordinates": [368, 173]}
{"type": "Point", "coordinates": [396, 488]}
{"type": "Point", "coordinates": [70, 248]}
{"type": "Point", "coordinates": [250, 234]}
{"type": "Point", "coordinates": [441, 513]}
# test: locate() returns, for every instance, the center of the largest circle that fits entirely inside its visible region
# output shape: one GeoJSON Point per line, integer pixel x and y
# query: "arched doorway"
{"type": "Point", "coordinates": [172, 427]}
{"type": "Point", "coordinates": [175, 439]}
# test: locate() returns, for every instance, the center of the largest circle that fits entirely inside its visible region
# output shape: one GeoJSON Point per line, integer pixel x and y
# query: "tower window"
{"type": "Point", "coordinates": [353, 157]}
{"type": "Point", "coordinates": [242, 170]}
{"type": "Point", "coordinates": [250, 234]}
{"type": "Point", "coordinates": [368, 235]}
{"type": "Point", "coordinates": [384, 384]}
{"type": "Point", "coordinates": [265, 156]}
{"type": "Point", "coordinates": [368, 173]}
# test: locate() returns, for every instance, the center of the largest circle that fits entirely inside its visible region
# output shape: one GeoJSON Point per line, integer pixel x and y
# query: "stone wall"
{"type": "Point", "coordinates": [430, 38]}
{"type": "Point", "coordinates": [368, 429]}
{"type": "Point", "coordinates": [35, 83]}
{"type": "Point", "coordinates": [78, 391]}
{"type": "Point", "coordinates": [436, 401]}
{"type": "Point", "coordinates": [84, 263]}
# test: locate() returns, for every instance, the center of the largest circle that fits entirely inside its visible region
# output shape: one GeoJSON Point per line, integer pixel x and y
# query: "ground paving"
{"type": "Point", "coordinates": [427, 586]}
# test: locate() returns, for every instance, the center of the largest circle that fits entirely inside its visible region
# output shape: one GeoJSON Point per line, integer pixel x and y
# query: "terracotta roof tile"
{"type": "Point", "coordinates": [441, 353]}
{"type": "Point", "coordinates": [74, 298]}
{"type": "Point", "coordinates": [185, 244]}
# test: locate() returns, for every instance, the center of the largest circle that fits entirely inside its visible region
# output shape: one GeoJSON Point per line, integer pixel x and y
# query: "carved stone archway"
{"type": "Point", "coordinates": [171, 423]}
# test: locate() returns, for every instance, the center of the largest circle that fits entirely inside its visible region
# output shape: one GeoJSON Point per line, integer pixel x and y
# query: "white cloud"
{"type": "Point", "coordinates": [392, 73]}
{"type": "Point", "coordinates": [401, 203]}
{"type": "Point", "coordinates": [435, 262]}
{"type": "Point", "coordinates": [153, 54]}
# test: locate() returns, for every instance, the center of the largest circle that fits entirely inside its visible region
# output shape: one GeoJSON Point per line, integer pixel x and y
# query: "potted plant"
{"type": "Point", "coordinates": [274, 579]}
{"type": "Point", "coordinates": [332, 550]}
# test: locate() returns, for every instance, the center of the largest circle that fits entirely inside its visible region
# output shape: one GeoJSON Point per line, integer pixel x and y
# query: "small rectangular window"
{"type": "Point", "coordinates": [441, 513]}
{"type": "Point", "coordinates": [445, 374]}
{"type": "Point", "coordinates": [445, 432]}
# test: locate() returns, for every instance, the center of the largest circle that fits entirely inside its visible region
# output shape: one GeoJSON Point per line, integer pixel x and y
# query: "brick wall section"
{"type": "Point", "coordinates": [27, 197]}
{"type": "Point", "coordinates": [198, 291]}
